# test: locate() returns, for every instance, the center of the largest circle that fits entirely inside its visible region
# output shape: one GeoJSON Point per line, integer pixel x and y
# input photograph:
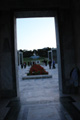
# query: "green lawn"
{"type": "Point", "coordinates": [30, 59]}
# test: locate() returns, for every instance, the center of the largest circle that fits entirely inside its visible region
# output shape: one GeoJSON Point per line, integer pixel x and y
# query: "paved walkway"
{"type": "Point", "coordinates": [39, 100]}
{"type": "Point", "coordinates": [40, 97]}
{"type": "Point", "coordinates": [37, 90]}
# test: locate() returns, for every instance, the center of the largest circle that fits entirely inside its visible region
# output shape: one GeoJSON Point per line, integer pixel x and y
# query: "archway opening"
{"type": "Point", "coordinates": [53, 50]}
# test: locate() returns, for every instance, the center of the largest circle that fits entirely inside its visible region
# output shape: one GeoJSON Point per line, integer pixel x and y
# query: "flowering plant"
{"type": "Point", "coordinates": [37, 70]}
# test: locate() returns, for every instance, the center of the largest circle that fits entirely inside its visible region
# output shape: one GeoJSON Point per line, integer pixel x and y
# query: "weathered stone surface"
{"type": "Point", "coordinates": [36, 77]}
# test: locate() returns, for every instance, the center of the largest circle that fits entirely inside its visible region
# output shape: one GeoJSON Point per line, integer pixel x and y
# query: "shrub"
{"type": "Point", "coordinates": [37, 70]}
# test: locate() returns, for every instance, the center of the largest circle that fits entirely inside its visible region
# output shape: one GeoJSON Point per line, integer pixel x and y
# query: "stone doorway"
{"type": "Point", "coordinates": [41, 14]}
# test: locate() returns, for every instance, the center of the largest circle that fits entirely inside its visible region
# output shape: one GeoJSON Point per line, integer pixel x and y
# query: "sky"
{"type": "Point", "coordinates": [36, 33]}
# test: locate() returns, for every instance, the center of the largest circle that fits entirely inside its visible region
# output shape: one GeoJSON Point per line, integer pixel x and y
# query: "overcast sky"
{"type": "Point", "coordinates": [36, 33]}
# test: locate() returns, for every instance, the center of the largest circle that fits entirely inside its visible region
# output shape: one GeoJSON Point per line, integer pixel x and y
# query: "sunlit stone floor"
{"type": "Point", "coordinates": [39, 100]}
{"type": "Point", "coordinates": [37, 90]}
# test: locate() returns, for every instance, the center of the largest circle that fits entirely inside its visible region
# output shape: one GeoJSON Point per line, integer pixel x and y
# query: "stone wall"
{"type": "Point", "coordinates": [77, 32]}
{"type": "Point", "coordinates": [7, 82]}
{"type": "Point", "coordinates": [69, 42]}
{"type": "Point", "coordinates": [76, 14]}
{"type": "Point", "coordinates": [66, 45]}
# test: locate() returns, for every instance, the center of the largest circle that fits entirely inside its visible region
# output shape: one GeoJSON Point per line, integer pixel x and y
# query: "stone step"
{"type": "Point", "coordinates": [77, 105]}
{"type": "Point", "coordinates": [36, 77]}
{"type": "Point", "coordinates": [4, 109]}
{"type": "Point", "coordinates": [77, 101]}
{"type": "Point", "coordinates": [3, 113]}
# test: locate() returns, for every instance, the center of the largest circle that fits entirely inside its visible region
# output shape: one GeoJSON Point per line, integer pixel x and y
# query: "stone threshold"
{"type": "Point", "coordinates": [36, 77]}
{"type": "Point", "coordinates": [77, 101]}
{"type": "Point", "coordinates": [77, 105]}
